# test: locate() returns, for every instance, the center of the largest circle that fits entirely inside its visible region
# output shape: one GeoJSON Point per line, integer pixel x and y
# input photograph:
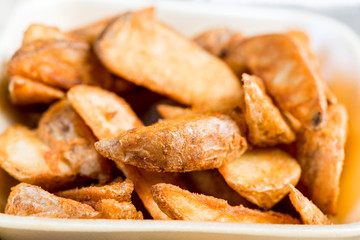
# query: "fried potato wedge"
{"type": "Point", "coordinates": [172, 112]}
{"type": "Point", "coordinates": [30, 200]}
{"type": "Point", "coordinates": [266, 125]}
{"type": "Point", "coordinates": [142, 50]}
{"type": "Point", "coordinates": [321, 156]}
{"type": "Point", "coordinates": [42, 32]}
{"type": "Point", "coordinates": [211, 183]}
{"type": "Point", "coordinates": [25, 92]}
{"type": "Point", "coordinates": [104, 112]}
{"type": "Point", "coordinates": [262, 176]}
{"type": "Point", "coordinates": [289, 79]}
{"type": "Point", "coordinates": [119, 191]}
{"type": "Point", "coordinates": [181, 204]}
{"type": "Point", "coordinates": [181, 145]}
{"type": "Point", "coordinates": [28, 159]}
{"type": "Point", "coordinates": [309, 212]}
{"type": "Point", "coordinates": [64, 131]}
{"type": "Point", "coordinates": [112, 209]}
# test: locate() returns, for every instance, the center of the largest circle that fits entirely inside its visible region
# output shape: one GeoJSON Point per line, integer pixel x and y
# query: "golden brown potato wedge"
{"type": "Point", "coordinates": [64, 131]}
{"type": "Point", "coordinates": [25, 157]}
{"type": "Point", "coordinates": [142, 50]}
{"type": "Point", "coordinates": [266, 125]}
{"type": "Point", "coordinates": [120, 191]}
{"type": "Point", "coordinates": [24, 91]}
{"type": "Point", "coordinates": [42, 32]}
{"type": "Point", "coordinates": [172, 112]}
{"type": "Point", "coordinates": [309, 212]}
{"type": "Point", "coordinates": [30, 200]}
{"type": "Point", "coordinates": [262, 176]}
{"type": "Point", "coordinates": [104, 112]}
{"type": "Point", "coordinates": [288, 77]}
{"type": "Point", "coordinates": [181, 145]}
{"type": "Point", "coordinates": [112, 209]}
{"type": "Point", "coordinates": [321, 156]}
{"type": "Point", "coordinates": [181, 204]}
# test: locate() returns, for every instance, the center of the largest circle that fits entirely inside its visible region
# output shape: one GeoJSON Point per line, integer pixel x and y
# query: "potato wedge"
{"type": "Point", "coordinates": [321, 156]}
{"type": "Point", "coordinates": [25, 157]}
{"type": "Point", "coordinates": [64, 131]}
{"type": "Point", "coordinates": [182, 145]}
{"type": "Point", "coordinates": [30, 200]}
{"type": "Point", "coordinates": [24, 91]}
{"type": "Point", "coordinates": [142, 50]}
{"type": "Point", "coordinates": [289, 79]}
{"type": "Point", "coordinates": [309, 212]}
{"type": "Point", "coordinates": [112, 209]}
{"type": "Point", "coordinates": [262, 176]}
{"type": "Point", "coordinates": [181, 204]}
{"type": "Point", "coordinates": [169, 112]}
{"type": "Point", "coordinates": [266, 125]}
{"type": "Point", "coordinates": [42, 32]}
{"type": "Point", "coordinates": [104, 112]}
{"type": "Point", "coordinates": [119, 191]}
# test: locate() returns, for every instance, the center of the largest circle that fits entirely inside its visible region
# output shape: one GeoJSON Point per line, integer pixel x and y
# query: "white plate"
{"type": "Point", "coordinates": [337, 47]}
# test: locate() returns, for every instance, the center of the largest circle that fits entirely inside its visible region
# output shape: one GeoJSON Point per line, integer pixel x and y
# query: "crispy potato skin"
{"type": "Point", "coordinates": [30, 200]}
{"type": "Point", "coordinates": [288, 78]}
{"type": "Point", "coordinates": [28, 159]}
{"type": "Point", "coordinates": [181, 145]}
{"type": "Point", "coordinates": [266, 125]}
{"type": "Point", "coordinates": [104, 112]}
{"type": "Point", "coordinates": [119, 191]}
{"type": "Point", "coordinates": [24, 91]}
{"type": "Point", "coordinates": [181, 204]}
{"type": "Point", "coordinates": [262, 176]}
{"type": "Point", "coordinates": [65, 132]}
{"type": "Point", "coordinates": [142, 50]}
{"type": "Point", "coordinates": [310, 214]}
{"type": "Point", "coordinates": [112, 209]}
{"type": "Point", "coordinates": [321, 156]}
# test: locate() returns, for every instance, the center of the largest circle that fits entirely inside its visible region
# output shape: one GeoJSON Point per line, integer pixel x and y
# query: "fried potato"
{"type": "Point", "coordinates": [104, 112]}
{"type": "Point", "coordinates": [182, 145]}
{"type": "Point", "coordinates": [142, 50]}
{"type": "Point", "coordinates": [112, 209]}
{"type": "Point", "coordinates": [288, 78]}
{"type": "Point", "coordinates": [181, 204]}
{"type": "Point", "coordinates": [64, 131]}
{"type": "Point", "coordinates": [30, 200]}
{"type": "Point", "coordinates": [120, 191]}
{"type": "Point", "coordinates": [309, 212]}
{"type": "Point", "coordinates": [42, 32]}
{"type": "Point", "coordinates": [25, 157]}
{"type": "Point", "coordinates": [210, 182]}
{"type": "Point", "coordinates": [321, 156]}
{"type": "Point", "coordinates": [24, 91]}
{"type": "Point", "coordinates": [173, 112]}
{"type": "Point", "coordinates": [262, 176]}
{"type": "Point", "coordinates": [266, 125]}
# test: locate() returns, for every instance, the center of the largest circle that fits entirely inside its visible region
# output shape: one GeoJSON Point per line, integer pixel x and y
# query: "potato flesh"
{"type": "Point", "coordinates": [321, 156]}
{"type": "Point", "coordinates": [29, 200]}
{"type": "Point", "coordinates": [181, 204]}
{"type": "Point", "coordinates": [112, 209]}
{"type": "Point", "coordinates": [262, 175]}
{"type": "Point", "coordinates": [42, 32]}
{"type": "Point", "coordinates": [140, 49]}
{"type": "Point", "coordinates": [195, 143]}
{"type": "Point", "coordinates": [266, 125]}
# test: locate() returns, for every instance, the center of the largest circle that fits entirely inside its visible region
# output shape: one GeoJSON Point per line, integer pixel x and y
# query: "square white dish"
{"type": "Point", "coordinates": [338, 49]}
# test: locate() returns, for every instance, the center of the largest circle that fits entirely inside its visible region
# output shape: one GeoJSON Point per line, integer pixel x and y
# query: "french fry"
{"type": "Point", "coordinates": [64, 131]}
{"type": "Point", "coordinates": [42, 32]}
{"type": "Point", "coordinates": [112, 209]}
{"type": "Point", "coordinates": [309, 212]}
{"type": "Point", "coordinates": [262, 176]}
{"type": "Point", "coordinates": [266, 125]}
{"type": "Point", "coordinates": [142, 50]}
{"type": "Point", "coordinates": [181, 204]}
{"type": "Point", "coordinates": [30, 200]}
{"type": "Point", "coordinates": [321, 156]}
{"type": "Point", "coordinates": [24, 92]}
{"type": "Point", "coordinates": [25, 157]}
{"type": "Point", "coordinates": [181, 145]}
{"type": "Point", "coordinates": [102, 110]}
{"type": "Point", "coordinates": [295, 87]}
